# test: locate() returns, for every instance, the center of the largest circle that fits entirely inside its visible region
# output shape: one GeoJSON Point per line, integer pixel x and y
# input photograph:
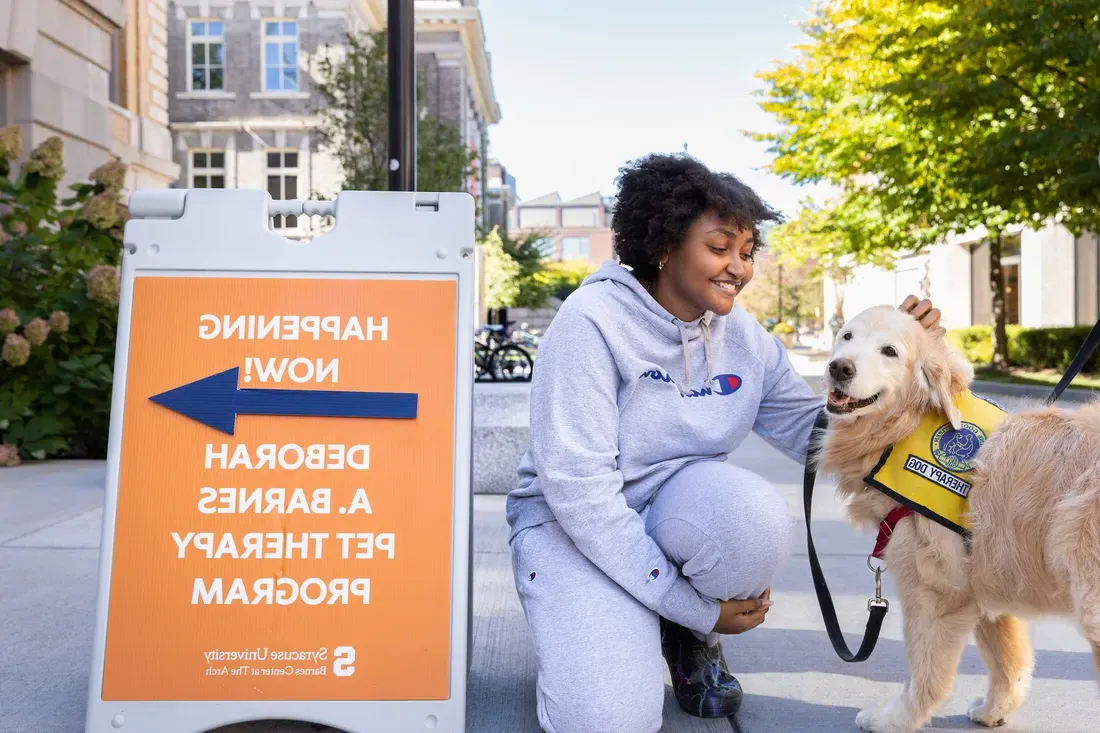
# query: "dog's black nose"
{"type": "Point", "coordinates": [842, 370]}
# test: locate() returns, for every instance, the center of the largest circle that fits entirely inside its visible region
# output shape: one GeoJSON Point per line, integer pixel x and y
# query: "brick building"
{"type": "Point", "coordinates": [578, 229]}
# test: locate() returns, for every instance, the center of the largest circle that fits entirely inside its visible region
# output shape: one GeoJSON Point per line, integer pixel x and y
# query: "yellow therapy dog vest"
{"type": "Point", "coordinates": [927, 471]}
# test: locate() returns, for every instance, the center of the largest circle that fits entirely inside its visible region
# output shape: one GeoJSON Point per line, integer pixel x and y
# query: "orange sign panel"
{"type": "Point", "coordinates": [284, 516]}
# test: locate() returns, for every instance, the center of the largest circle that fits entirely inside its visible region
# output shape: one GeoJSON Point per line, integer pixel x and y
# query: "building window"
{"type": "Point", "coordinates": [534, 218]}
{"type": "Point", "coordinates": [208, 169]}
{"type": "Point", "coordinates": [206, 55]}
{"type": "Point", "coordinates": [545, 246]}
{"type": "Point", "coordinates": [576, 248]}
{"type": "Point", "coordinates": [282, 183]}
{"type": "Point", "coordinates": [114, 80]}
{"type": "Point", "coordinates": [280, 56]}
{"type": "Point", "coordinates": [578, 217]}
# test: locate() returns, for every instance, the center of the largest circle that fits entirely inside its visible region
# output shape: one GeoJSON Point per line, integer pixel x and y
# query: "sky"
{"type": "Point", "coordinates": [586, 86]}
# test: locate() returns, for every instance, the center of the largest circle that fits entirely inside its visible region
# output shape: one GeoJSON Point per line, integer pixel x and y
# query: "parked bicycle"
{"type": "Point", "coordinates": [499, 358]}
{"type": "Point", "coordinates": [527, 338]}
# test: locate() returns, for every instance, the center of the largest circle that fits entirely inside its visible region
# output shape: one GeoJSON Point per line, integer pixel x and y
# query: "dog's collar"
{"type": "Point", "coordinates": [886, 529]}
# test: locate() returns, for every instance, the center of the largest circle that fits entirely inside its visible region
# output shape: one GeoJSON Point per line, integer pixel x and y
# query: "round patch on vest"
{"type": "Point", "coordinates": [955, 449]}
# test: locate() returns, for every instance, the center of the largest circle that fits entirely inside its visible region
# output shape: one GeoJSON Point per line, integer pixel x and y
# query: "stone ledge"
{"type": "Point", "coordinates": [501, 433]}
{"type": "Point", "coordinates": [497, 452]}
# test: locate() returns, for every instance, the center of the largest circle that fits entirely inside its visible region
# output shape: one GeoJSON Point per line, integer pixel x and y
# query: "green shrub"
{"type": "Point", "coordinates": [562, 278]}
{"type": "Point", "coordinates": [1028, 348]}
{"type": "Point", "coordinates": [975, 343]}
{"type": "Point", "coordinates": [1053, 348]}
{"type": "Point", "coordinates": [59, 288]}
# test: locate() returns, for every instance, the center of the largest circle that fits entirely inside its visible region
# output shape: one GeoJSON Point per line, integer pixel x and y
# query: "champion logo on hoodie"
{"type": "Point", "coordinates": [725, 384]}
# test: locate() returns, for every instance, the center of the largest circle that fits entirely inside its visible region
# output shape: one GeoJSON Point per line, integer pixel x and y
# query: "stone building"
{"type": "Point", "coordinates": [94, 73]}
{"type": "Point", "coordinates": [243, 102]}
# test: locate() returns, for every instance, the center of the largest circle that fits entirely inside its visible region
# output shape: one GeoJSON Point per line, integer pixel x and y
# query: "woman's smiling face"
{"type": "Point", "coordinates": [706, 272]}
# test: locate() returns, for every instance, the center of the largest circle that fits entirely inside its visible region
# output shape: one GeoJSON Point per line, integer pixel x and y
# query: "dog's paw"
{"type": "Point", "coordinates": [991, 716]}
{"type": "Point", "coordinates": [879, 720]}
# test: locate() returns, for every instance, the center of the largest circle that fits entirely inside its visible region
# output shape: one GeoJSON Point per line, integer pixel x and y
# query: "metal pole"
{"type": "Point", "coordinates": [779, 318]}
{"type": "Point", "coordinates": [401, 47]}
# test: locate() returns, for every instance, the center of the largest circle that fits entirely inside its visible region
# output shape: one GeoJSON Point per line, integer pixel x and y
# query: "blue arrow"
{"type": "Point", "coordinates": [216, 401]}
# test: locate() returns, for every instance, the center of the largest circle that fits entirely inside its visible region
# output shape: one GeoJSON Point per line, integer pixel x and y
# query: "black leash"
{"type": "Point", "coordinates": [1092, 341]}
{"type": "Point", "coordinates": [877, 606]}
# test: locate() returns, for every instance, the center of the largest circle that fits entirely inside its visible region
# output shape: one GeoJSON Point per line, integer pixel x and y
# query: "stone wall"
{"type": "Point", "coordinates": [244, 96]}
{"type": "Point", "coordinates": [56, 67]}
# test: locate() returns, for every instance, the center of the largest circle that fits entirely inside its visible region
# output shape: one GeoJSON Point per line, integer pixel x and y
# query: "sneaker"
{"type": "Point", "coordinates": [701, 682]}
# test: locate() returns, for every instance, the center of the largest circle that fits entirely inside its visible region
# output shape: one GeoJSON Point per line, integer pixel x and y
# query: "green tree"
{"type": "Point", "coordinates": [783, 290]}
{"type": "Point", "coordinates": [1026, 75]}
{"type": "Point", "coordinates": [517, 270]}
{"type": "Point", "coordinates": [354, 125]}
{"type": "Point", "coordinates": [534, 287]}
{"type": "Point", "coordinates": [816, 238]}
{"type": "Point", "coordinates": [936, 118]}
{"type": "Point", "coordinates": [502, 273]}
{"type": "Point", "coordinates": [1020, 78]}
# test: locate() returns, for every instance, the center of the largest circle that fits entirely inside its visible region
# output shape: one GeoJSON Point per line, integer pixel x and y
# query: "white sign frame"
{"type": "Point", "coordinates": [390, 234]}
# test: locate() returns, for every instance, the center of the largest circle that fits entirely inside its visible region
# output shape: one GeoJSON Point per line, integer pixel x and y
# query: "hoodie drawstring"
{"type": "Point", "coordinates": [684, 348]}
{"type": "Point", "coordinates": [704, 324]}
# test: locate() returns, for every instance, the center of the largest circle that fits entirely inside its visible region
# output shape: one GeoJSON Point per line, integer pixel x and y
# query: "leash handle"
{"type": "Point", "coordinates": [876, 606]}
{"type": "Point", "coordinates": [1091, 342]}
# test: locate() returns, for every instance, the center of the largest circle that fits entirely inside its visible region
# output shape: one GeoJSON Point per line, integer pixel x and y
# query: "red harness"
{"type": "Point", "coordinates": [886, 529]}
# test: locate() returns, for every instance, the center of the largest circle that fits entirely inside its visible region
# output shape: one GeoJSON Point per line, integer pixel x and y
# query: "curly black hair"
{"type": "Point", "coordinates": [660, 195]}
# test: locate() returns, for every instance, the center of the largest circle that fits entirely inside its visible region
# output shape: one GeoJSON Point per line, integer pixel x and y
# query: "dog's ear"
{"type": "Point", "coordinates": [947, 373]}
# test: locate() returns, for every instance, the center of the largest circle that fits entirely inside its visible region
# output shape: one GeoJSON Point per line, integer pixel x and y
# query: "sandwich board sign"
{"type": "Point", "coordinates": [286, 528]}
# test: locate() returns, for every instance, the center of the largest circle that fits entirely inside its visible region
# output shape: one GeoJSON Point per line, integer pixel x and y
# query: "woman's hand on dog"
{"type": "Point", "coordinates": [737, 617]}
{"type": "Point", "coordinates": [922, 310]}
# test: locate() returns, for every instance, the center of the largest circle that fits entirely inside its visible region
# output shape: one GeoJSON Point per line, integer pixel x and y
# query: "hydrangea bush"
{"type": "Point", "coordinates": [59, 289]}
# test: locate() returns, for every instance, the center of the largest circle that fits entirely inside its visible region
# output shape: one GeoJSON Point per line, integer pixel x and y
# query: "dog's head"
{"type": "Point", "coordinates": [885, 363]}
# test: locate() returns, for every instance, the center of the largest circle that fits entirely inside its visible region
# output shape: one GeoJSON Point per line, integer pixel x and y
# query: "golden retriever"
{"type": "Point", "coordinates": [1034, 513]}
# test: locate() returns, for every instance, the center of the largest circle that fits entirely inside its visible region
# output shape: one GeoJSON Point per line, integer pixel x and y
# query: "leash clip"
{"type": "Point", "coordinates": [878, 601]}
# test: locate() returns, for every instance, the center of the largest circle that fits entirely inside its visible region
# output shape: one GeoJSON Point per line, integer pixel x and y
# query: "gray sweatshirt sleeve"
{"type": "Point", "coordinates": [788, 406]}
{"type": "Point", "coordinates": [574, 447]}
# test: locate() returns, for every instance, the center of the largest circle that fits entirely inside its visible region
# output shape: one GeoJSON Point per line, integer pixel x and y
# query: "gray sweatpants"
{"type": "Point", "coordinates": [600, 668]}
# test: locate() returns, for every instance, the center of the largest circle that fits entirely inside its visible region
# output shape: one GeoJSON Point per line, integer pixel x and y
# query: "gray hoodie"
{"type": "Point", "coordinates": [623, 395]}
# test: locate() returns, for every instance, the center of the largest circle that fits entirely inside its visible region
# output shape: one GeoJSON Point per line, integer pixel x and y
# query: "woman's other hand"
{"type": "Point", "coordinates": [922, 310]}
{"type": "Point", "coordinates": [737, 617]}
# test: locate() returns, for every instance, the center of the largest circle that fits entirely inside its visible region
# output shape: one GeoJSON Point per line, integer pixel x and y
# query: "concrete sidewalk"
{"type": "Point", "coordinates": [49, 538]}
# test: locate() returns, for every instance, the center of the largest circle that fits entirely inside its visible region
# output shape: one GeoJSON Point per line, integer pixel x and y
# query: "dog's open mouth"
{"type": "Point", "coordinates": [841, 403]}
